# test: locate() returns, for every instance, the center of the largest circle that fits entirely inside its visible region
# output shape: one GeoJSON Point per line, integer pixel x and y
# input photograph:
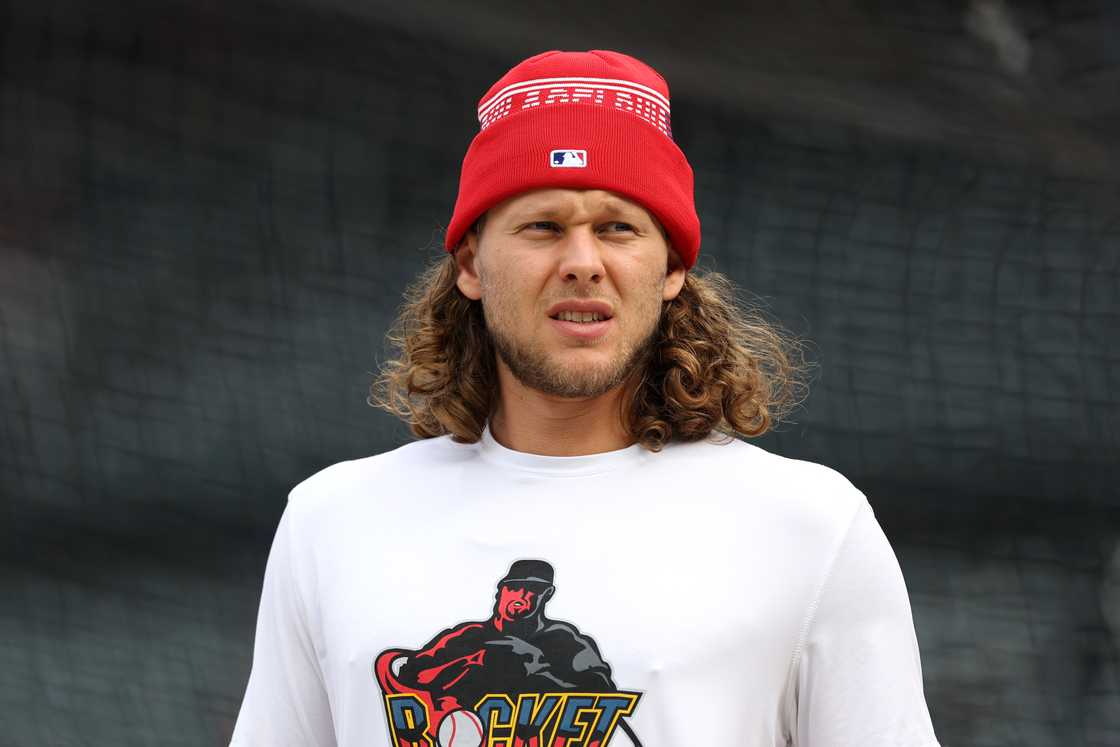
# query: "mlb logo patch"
{"type": "Point", "coordinates": [568, 159]}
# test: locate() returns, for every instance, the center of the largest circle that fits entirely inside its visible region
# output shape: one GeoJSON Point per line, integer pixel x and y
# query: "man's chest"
{"type": "Point", "coordinates": [647, 614]}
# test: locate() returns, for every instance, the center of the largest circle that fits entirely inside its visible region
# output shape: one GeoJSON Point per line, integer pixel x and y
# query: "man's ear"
{"type": "Point", "coordinates": [466, 257]}
{"type": "Point", "coordinates": [674, 276]}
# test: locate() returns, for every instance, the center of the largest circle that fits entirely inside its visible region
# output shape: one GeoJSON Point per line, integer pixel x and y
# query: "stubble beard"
{"type": "Point", "coordinates": [531, 365]}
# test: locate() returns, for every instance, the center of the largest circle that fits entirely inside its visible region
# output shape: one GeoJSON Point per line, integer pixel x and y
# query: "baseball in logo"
{"type": "Point", "coordinates": [518, 679]}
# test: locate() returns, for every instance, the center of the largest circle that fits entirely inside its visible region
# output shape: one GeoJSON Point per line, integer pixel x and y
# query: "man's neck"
{"type": "Point", "coordinates": [530, 421]}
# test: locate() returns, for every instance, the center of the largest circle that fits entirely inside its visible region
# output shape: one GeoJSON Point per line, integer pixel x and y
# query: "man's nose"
{"type": "Point", "coordinates": [581, 260]}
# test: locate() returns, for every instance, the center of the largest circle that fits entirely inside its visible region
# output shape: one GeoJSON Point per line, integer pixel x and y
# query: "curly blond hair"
{"type": "Point", "coordinates": [715, 365]}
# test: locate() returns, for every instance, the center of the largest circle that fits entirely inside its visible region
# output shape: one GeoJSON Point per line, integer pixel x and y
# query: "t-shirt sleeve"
{"type": "Point", "coordinates": [285, 701]}
{"type": "Point", "coordinates": [860, 675]}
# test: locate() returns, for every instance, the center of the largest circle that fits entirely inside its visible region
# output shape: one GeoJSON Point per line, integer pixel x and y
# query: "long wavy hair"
{"type": "Point", "coordinates": [715, 366]}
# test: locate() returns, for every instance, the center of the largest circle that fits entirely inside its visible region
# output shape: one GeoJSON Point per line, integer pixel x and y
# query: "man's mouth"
{"type": "Point", "coordinates": [582, 317]}
{"type": "Point", "coordinates": [581, 311]}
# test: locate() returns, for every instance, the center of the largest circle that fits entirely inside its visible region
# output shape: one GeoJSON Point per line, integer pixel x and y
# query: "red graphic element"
{"type": "Point", "coordinates": [426, 676]}
{"type": "Point", "coordinates": [438, 706]}
{"type": "Point", "coordinates": [451, 635]}
{"type": "Point", "coordinates": [512, 604]}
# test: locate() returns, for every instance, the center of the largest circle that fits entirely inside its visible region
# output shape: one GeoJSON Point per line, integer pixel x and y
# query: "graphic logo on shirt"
{"type": "Point", "coordinates": [518, 679]}
{"type": "Point", "coordinates": [568, 159]}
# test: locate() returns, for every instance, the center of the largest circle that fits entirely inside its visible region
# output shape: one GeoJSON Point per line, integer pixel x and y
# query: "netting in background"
{"type": "Point", "coordinates": [208, 213]}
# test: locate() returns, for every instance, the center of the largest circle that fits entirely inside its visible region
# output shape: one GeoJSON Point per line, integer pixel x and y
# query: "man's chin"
{"type": "Point", "coordinates": [581, 383]}
{"type": "Point", "coordinates": [577, 373]}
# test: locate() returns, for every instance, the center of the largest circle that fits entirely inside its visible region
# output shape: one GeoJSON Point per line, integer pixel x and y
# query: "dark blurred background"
{"type": "Point", "coordinates": [208, 212]}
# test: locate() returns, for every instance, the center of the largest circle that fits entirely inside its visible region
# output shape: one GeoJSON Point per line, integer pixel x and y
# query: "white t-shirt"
{"type": "Point", "coordinates": [466, 594]}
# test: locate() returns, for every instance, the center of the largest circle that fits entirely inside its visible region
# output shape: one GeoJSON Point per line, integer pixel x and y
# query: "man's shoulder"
{"type": "Point", "coordinates": [350, 476]}
{"type": "Point", "coordinates": [757, 478]}
{"type": "Point", "coordinates": [738, 459]}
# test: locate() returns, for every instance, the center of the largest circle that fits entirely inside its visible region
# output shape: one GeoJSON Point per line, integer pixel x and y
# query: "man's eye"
{"type": "Point", "coordinates": [541, 225]}
{"type": "Point", "coordinates": [620, 226]}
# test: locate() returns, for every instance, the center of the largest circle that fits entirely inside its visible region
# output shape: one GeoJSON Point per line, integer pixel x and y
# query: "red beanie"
{"type": "Point", "coordinates": [579, 120]}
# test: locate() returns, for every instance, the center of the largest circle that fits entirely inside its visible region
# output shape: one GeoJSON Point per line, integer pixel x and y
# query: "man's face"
{"type": "Point", "coordinates": [519, 600]}
{"type": "Point", "coordinates": [571, 284]}
{"type": "Point", "coordinates": [514, 603]}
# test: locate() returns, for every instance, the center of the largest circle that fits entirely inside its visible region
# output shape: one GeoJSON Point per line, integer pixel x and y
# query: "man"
{"type": "Point", "coordinates": [577, 389]}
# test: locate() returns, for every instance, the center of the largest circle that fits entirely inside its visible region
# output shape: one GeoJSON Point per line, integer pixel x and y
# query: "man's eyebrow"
{"type": "Point", "coordinates": [621, 208]}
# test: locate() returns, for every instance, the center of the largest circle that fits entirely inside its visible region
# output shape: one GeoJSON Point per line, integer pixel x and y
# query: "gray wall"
{"type": "Point", "coordinates": [208, 213]}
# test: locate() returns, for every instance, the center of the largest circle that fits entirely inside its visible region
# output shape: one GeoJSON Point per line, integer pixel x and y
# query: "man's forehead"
{"type": "Point", "coordinates": [558, 201]}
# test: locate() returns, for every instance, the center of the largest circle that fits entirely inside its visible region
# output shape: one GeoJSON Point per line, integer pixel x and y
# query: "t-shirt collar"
{"type": "Point", "coordinates": [560, 466]}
